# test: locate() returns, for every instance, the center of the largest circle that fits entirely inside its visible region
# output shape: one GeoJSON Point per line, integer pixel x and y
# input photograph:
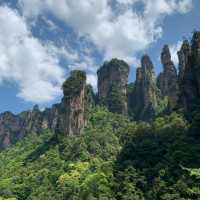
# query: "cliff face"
{"type": "Point", "coordinates": [75, 103]}
{"type": "Point", "coordinates": [189, 76]}
{"type": "Point", "coordinates": [143, 100]}
{"type": "Point", "coordinates": [112, 85]}
{"type": "Point", "coordinates": [168, 80]}
{"type": "Point", "coordinates": [196, 58]}
{"type": "Point", "coordinates": [14, 127]}
{"type": "Point", "coordinates": [68, 117]}
{"type": "Point", "coordinates": [9, 123]}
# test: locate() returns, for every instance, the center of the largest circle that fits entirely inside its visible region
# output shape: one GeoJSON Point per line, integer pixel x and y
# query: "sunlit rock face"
{"type": "Point", "coordinates": [145, 94]}
{"type": "Point", "coordinates": [112, 86]}
{"type": "Point", "coordinates": [68, 117]}
{"type": "Point", "coordinates": [168, 80]}
{"type": "Point", "coordinates": [142, 100]}
{"type": "Point", "coordinates": [189, 75]}
{"type": "Point", "coordinates": [74, 90]}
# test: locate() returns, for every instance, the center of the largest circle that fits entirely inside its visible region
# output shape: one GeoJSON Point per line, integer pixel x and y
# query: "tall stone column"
{"type": "Point", "coordinates": [75, 104]}
{"type": "Point", "coordinates": [112, 86]}
{"type": "Point", "coordinates": [168, 79]}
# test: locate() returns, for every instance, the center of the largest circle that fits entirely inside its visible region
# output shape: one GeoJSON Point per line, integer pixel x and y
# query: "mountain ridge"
{"type": "Point", "coordinates": [149, 96]}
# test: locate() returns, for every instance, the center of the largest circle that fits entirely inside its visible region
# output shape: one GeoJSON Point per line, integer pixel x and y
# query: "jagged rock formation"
{"type": "Point", "coordinates": [74, 90]}
{"type": "Point", "coordinates": [14, 127]}
{"type": "Point", "coordinates": [184, 57]}
{"type": "Point", "coordinates": [168, 80]}
{"type": "Point", "coordinates": [144, 101]}
{"type": "Point", "coordinates": [144, 97]}
{"type": "Point", "coordinates": [9, 123]}
{"type": "Point", "coordinates": [189, 76]}
{"type": "Point", "coordinates": [68, 117]}
{"type": "Point", "coordinates": [112, 85]}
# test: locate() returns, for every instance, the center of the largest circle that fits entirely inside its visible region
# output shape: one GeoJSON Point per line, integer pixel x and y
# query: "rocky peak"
{"type": "Point", "coordinates": [166, 55]}
{"type": "Point", "coordinates": [196, 45]}
{"type": "Point", "coordinates": [147, 64]}
{"type": "Point", "coordinates": [36, 108]}
{"type": "Point", "coordinates": [196, 58]}
{"type": "Point", "coordinates": [149, 83]}
{"type": "Point", "coordinates": [112, 85]}
{"type": "Point", "coordinates": [68, 117]}
{"type": "Point", "coordinates": [167, 80]}
{"type": "Point", "coordinates": [9, 123]}
{"type": "Point", "coordinates": [144, 98]}
{"type": "Point", "coordinates": [74, 89]}
{"type": "Point", "coordinates": [189, 75]}
{"type": "Point", "coordinates": [183, 55]}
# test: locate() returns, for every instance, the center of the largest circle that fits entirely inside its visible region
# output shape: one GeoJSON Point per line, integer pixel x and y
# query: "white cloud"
{"type": "Point", "coordinates": [173, 50]}
{"type": "Point", "coordinates": [88, 65]}
{"type": "Point", "coordinates": [92, 80]}
{"type": "Point", "coordinates": [62, 51]}
{"type": "Point", "coordinates": [26, 62]}
{"type": "Point", "coordinates": [127, 2]}
{"type": "Point", "coordinates": [185, 6]}
{"type": "Point", "coordinates": [77, 61]}
{"type": "Point", "coordinates": [116, 31]}
{"type": "Point", "coordinates": [119, 34]}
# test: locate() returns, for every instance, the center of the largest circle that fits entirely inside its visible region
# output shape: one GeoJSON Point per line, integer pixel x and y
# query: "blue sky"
{"type": "Point", "coordinates": [41, 41]}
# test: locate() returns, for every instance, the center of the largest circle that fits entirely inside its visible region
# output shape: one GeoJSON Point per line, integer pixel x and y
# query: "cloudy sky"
{"type": "Point", "coordinates": [41, 41]}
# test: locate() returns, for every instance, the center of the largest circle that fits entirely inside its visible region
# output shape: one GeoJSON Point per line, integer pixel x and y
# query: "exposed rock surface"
{"type": "Point", "coordinates": [184, 58]}
{"type": "Point", "coordinates": [189, 76]}
{"type": "Point", "coordinates": [75, 101]}
{"type": "Point", "coordinates": [112, 85]}
{"type": "Point", "coordinates": [68, 117]}
{"type": "Point", "coordinates": [143, 102]}
{"type": "Point", "coordinates": [144, 98]}
{"type": "Point", "coordinates": [9, 123]}
{"type": "Point", "coordinates": [14, 127]}
{"type": "Point", "coordinates": [168, 80]}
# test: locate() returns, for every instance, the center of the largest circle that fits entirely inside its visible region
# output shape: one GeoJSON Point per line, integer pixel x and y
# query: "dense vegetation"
{"type": "Point", "coordinates": [74, 84]}
{"type": "Point", "coordinates": [113, 159]}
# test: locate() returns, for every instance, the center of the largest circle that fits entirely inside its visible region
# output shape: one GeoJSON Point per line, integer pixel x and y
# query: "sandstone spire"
{"type": "Point", "coordinates": [189, 75]}
{"type": "Point", "coordinates": [144, 98]}
{"type": "Point", "coordinates": [74, 89]}
{"type": "Point", "coordinates": [168, 80]}
{"type": "Point", "coordinates": [112, 85]}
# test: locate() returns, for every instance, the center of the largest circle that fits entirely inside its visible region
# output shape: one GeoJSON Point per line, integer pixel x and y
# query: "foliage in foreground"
{"type": "Point", "coordinates": [113, 159]}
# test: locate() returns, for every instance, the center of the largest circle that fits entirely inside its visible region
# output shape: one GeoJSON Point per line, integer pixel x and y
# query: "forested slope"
{"type": "Point", "coordinates": [113, 159]}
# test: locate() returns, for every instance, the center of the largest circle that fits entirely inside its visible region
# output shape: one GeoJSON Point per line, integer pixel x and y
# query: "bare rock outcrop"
{"type": "Point", "coordinates": [168, 80]}
{"type": "Point", "coordinates": [68, 117]}
{"type": "Point", "coordinates": [74, 89]}
{"type": "Point", "coordinates": [144, 98]}
{"type": "Point", "coordinates": [112, 86]}
{"type": "Point", "coordinates": [189, 75]}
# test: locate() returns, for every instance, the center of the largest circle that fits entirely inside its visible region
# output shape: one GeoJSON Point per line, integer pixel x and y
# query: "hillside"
{"type": "Point", "coordinates": [127, 142]}
{"type": "Point", "coordinates": [113, 159]}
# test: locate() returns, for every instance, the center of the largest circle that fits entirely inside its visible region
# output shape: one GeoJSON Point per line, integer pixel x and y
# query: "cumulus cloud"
{"type": "Point", "coordinates": [174, 49]}
{"type": "Point", "coordinates": [115, 28]}
{"type": "Point", "coordinates": [92, 80]}
{"type": "Point", "coordinates": [185, 6]}
{"type": "Point", "coordinates": [25, 61]}
{"type": "Point", "coordinates": [122, 33]}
